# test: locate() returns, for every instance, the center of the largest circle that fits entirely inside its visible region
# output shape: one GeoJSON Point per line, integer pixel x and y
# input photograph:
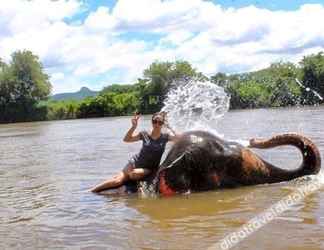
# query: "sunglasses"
{"type": "Point", "coordinates": [157, 122]}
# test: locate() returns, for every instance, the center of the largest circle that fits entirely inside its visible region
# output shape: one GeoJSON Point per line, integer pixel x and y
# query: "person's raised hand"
{"type": "Point", "coordinates": [135, 119]}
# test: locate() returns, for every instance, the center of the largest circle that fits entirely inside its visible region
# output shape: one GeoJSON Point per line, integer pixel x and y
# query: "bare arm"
{"type": "Point", "coordinates": [129, 137]}
{"type": "Point", "coordinates": [173, 136]}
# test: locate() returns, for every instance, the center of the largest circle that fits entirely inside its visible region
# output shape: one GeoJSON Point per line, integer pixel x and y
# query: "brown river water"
{"type": "Point", "coordinates": [47, 168]}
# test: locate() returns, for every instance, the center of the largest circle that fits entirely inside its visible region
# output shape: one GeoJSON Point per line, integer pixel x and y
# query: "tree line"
{"type": "Point", "coordinates": [25, 89]}
{"type": "Point", "coordinates": [23, 84]}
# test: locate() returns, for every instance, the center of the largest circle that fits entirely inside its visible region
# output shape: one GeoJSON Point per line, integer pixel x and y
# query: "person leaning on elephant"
{"type": "Point", "coordinates": [148, 159]}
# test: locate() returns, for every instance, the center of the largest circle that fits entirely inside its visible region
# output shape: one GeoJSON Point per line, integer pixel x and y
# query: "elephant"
{"type": "Point", "coordinates": [201, 161]}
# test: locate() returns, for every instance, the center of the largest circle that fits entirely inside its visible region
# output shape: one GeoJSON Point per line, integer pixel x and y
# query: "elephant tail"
{"type": "Point", "coordinates": [311, 156]}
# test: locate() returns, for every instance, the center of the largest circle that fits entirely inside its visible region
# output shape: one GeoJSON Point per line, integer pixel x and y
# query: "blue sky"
{"type": "Point", "coordinates": [268, 4]}
{"type": "Point", "coordinates": [271, 4]}
{"type": "Point", "coordinates": [97, 43]}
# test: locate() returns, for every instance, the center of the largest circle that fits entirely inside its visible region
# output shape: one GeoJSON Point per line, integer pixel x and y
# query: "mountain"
{"type": "Point", "coordinates": [79, 95]}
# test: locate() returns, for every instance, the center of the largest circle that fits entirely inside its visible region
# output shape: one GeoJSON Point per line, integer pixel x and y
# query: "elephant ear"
{"type": "Point", "coordinates": [173, 163]}
{"type": "Point", "coordinates": [175, 176]}
{"type": "Point", "coordinates": [164, 188]}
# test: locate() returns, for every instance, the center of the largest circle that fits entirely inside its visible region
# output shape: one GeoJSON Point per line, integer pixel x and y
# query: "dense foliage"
{"type": "Point", "coordinates": [22, 85]}
{"type": "Point", "coordinates": [275, 86]}
{"type": "Point", "coordinates": [313, 78]}
{"type": "Point", "coordinates": [60, 110]}
{"type": "Point", "coordinates": [24, 89]}
{"type": "Point", "coordinates": [159, 77]}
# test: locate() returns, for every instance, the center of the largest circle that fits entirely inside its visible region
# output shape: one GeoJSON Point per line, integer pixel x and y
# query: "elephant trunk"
{"type": "Point", "coordinates": [311, 163]}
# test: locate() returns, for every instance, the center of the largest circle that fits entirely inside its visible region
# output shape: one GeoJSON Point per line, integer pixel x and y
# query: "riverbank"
{"type": "Point", "coordinates": [131, 114]}
{"type": "Point", "coordinates": [281, 84]}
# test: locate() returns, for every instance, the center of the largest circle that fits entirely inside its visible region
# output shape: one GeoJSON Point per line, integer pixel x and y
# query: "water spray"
{"type": "Point", "coordinates": [309, 89]}
{"type": "Point", "coordinates": [195, 105]}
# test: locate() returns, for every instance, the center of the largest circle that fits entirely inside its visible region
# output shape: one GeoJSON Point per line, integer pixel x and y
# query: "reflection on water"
{"type": "Point", "coordinates": [47, 169]}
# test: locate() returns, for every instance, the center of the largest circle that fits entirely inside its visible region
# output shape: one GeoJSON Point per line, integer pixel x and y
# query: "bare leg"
{"type": "Point", "coordinates": [116, 181]}
{"type": "Point", "coordinates": [128, 173]}
{"type": "Point", "coordinates": [138, 173]}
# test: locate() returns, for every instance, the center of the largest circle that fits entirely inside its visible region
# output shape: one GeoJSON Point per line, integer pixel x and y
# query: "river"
{"type": "Point", "coordinates": [47, 168]}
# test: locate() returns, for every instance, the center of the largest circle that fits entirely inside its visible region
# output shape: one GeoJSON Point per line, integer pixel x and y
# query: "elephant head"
{"type": "Point", "coordinates": [201, 161]}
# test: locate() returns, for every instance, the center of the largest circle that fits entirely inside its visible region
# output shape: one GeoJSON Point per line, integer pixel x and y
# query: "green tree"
{"type": "Point", "coordinates": [32, 82]}
{"type": "Point", "coordinates": [59, 110]}
{"type": "Point", "coordinates": [108, 104]}
{"type": "Point", "coordinates": [274, 86]}
{"type": "Point", "coordinates": [161, 76]}
{"type": "Point", "coordinates": [2, 64]}
{"type": "Point", "coordinates": [312, 68]}
{"type": "Point", "coordinates": [118, 88]}
{"type": "Point", "coordinates": [22, 85]}
{"type": "Point", "coordinates": [280, 80]}
{"type": "Point", "coordinates": [220, 79]}
{"type": "Point", "coordinates": [92, 107]}
{"type": "Point", "coordinates": [247, 94]}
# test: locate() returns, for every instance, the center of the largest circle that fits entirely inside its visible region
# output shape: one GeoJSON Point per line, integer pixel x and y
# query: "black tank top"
{"type": "Point", "coordinates": [151, 151]}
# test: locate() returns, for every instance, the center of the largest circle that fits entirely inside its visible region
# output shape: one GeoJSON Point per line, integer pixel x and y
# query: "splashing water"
{"type": "Point", "coordinates": [196, 105]}
{"type": "Point", "coordinates": [309, 89]}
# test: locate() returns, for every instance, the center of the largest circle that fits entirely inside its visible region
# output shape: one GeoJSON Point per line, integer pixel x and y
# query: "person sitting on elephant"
{"type": "Point", "coordinates": [148, 159]}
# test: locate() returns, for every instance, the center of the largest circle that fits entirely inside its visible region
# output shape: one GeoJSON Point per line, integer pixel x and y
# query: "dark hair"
{"type": "Point", "coordinates": [161, 114]}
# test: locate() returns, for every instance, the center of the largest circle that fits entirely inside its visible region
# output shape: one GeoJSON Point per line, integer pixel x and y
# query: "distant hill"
{"type": "Point", "coordinates": [81, 94]}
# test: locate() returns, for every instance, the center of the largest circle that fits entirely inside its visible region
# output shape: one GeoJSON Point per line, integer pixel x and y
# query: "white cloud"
{"type": "Point", "coordinates": [20, 15]}
{"type": "Point", "coordinates": [156, 15]}
{"type": "Point", "coordinates": [208, 36]}
{"type": "Point", "coordinates": [177, 37]}
{"type": "Point", "coordinates": [57, 76]}
{"type": "Point", "coordinates": [67, 84]}
{"type": "Point", "coordinates": [101, 20]}
{"type": "Point", "coordinates": [35, 25]}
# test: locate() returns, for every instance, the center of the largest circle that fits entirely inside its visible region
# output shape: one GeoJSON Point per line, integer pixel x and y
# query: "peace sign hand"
{"type": "Point", "coordinates": [135, 119]}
